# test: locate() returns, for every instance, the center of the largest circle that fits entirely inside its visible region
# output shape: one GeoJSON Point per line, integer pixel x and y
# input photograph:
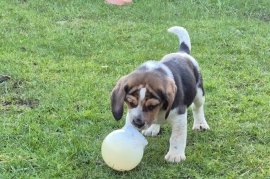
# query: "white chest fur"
{"type": "Point", "coordinates": [161, 117]}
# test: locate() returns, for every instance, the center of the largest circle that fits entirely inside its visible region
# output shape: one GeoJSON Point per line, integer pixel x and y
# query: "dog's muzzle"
{"type": "Point", "coordinates": [139, 123]}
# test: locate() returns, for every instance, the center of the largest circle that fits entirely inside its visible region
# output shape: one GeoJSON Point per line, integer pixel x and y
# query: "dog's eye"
{"type": "Point", "coordinates": [151, 107]}
{"type": "Point", "coordinates": [130, 101]}
{"type": "Point", "coordinates": [132, 104]}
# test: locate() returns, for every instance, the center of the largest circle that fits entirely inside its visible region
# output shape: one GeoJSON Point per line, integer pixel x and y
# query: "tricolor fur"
{"type": "Point", "coordinates": [160, 92]}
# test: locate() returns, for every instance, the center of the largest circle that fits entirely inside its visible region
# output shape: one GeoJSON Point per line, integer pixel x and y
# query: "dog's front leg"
{"type": "Point", "coordinates": [178, 138]}
{"type": "Point", "coordinates": [153, 130]}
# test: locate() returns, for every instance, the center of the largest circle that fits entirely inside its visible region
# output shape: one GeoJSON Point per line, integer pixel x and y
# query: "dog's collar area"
{"type": "Point", "coordinates": [157, 66]}
{"type": "Point", "coordinates": [168, 71]}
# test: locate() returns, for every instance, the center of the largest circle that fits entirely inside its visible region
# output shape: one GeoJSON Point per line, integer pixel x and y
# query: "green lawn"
{"type": "Point", "coordinates": [64, 57]}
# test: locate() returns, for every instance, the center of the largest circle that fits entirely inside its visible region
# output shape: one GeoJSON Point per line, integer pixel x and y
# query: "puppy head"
{"type": "Point", "coordinates": [145, 94]}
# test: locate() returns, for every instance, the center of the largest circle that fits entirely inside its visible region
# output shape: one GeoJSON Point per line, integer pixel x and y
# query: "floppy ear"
{"type": "Point", "coordinates": [170, 92]}
{"type": "Point", "coordinates": [117, 98]}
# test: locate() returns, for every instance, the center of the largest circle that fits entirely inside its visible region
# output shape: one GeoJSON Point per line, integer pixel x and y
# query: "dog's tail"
{"type": "Point", "coordinates": [185, 45]}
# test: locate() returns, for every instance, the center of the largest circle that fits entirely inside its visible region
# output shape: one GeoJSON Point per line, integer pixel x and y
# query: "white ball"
{"type": "Point", "coordinates": [123, 149]}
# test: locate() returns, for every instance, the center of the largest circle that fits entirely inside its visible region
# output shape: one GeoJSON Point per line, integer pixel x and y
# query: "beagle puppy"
{"type": "Point", "coordinates": [157, 93]}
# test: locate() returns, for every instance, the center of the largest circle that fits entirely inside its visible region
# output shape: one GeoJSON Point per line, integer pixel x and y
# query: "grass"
{"type": "Point", "coordinates": [55, 108]}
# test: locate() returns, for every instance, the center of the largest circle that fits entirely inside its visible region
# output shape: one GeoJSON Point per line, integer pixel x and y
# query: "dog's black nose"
{"type": "Point", "coordinates": [138, 123]}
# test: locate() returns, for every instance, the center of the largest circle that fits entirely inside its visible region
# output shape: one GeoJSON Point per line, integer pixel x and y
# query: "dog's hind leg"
{"type": "Point", "coordinates": [198, 112]}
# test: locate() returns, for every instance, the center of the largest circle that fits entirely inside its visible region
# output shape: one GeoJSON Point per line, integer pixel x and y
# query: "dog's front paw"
{"type": "Point", "coordinates": [200, 126]}
{"type": "Point", "coordinates": [174, 157]}
{"type": "Point", "coordinates": [153, 130]}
